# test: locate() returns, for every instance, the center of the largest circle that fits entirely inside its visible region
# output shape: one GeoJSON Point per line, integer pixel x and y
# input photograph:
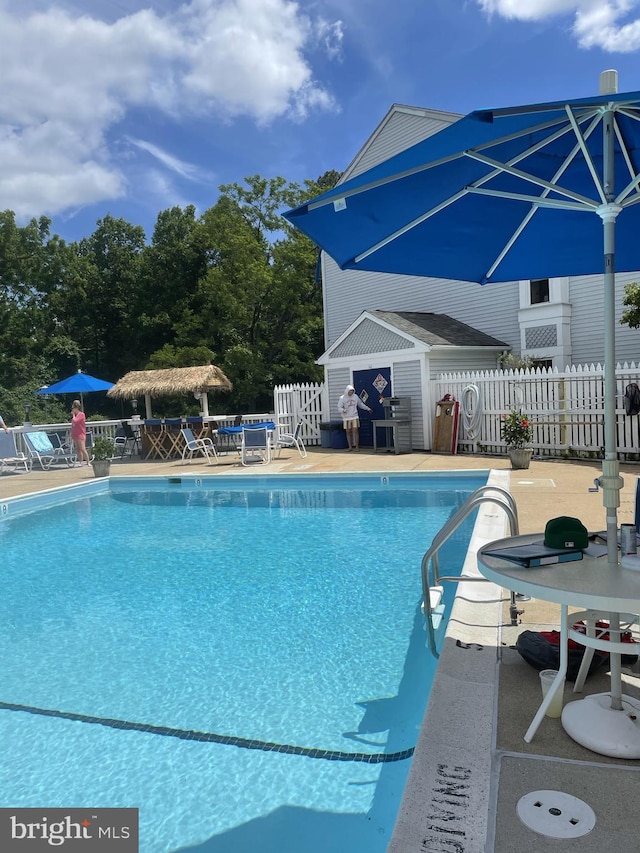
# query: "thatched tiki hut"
{"type": "Point", "coordinates": [174, 380]}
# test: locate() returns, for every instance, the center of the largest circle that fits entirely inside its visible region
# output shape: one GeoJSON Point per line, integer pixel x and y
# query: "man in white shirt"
{"type": "Point", "coordinates": [348, 406]}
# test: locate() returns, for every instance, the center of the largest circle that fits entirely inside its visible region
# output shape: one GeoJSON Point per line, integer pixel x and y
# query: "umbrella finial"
{"type": "Point", "coordinates": [608, 82]}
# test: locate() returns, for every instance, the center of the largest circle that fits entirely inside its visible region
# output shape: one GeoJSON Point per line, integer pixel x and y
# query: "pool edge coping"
{"type": "Point", "coordinates": [446, 804]}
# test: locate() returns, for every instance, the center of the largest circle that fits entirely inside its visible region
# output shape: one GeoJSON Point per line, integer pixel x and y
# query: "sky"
{"type": "Point", "coordinates": [130, 107]}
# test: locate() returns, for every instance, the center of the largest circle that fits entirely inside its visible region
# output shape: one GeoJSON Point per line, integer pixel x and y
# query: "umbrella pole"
{"type": "Point", "coordinates": [611, 481]}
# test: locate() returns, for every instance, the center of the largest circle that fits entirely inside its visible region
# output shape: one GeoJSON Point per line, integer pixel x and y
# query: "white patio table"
{"type": "Point", "coordinates": [594, 585]}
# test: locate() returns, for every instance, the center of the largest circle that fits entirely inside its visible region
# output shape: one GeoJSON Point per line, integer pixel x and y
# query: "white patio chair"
{"type": "Point", "coordinates": [291, 439]}
{"type": "Point", "coordinates": [197, 445]}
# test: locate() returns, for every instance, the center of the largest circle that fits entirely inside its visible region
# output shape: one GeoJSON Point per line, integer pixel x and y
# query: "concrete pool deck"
{"type": "Point", "coordinates": [471, 765]}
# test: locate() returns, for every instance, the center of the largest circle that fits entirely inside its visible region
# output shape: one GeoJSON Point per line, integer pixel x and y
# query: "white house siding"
{"type": "Point", "coordinates": [587, 324]}
{"type": "Point", "coordinates": [401, 128]}
{"type": "Point", "coordinates": [460, 360]}
{"type": "Point", "coordinates": [406, 381]}
{"type": "Point", "coordinates": [492, 309]}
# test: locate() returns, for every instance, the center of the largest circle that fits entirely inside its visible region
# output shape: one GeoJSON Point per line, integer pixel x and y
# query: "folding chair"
{"type": "Point", "coordinates": [127, 440]}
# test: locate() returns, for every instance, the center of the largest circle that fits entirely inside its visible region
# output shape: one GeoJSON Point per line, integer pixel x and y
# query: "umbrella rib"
{"type": "Point", "coordinates": [587, 156]}
{"type": "Point", "coordinates": [631, 202]}
{"type": "Point", "coordinates": [381, 182]}
{"type": "Point", "coordinates": [519, 173]}
{"type": "Point", "coordinates": [413, 224]}
{"type": "Point", "coordinates": [587, 206]}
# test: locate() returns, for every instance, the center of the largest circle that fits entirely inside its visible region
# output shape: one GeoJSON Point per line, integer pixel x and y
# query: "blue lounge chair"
{"type": "Point", "coordinates": [10, 458]}
{"type": "Point", "coordinates": [42, 451]}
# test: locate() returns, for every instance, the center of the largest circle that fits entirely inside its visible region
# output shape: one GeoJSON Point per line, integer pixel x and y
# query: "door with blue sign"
{"type": "Point", "coordinates": [372, 386]}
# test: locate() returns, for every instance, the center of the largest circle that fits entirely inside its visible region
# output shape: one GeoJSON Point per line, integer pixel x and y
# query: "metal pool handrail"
{"type": "Point", "coordinates": [502, 498]}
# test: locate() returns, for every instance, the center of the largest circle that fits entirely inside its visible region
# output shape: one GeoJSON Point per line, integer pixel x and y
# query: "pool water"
{"type": "Point", "coordinates": [244, 663]}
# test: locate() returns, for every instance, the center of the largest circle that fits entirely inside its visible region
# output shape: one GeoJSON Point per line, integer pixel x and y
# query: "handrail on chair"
{"type": "Point", "coordinates": [504, 499]}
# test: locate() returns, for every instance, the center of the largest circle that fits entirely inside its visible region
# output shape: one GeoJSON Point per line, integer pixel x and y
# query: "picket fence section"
{"type": "Point", "coordinates": [566, 409]}
{"type": "Point", "coordinates": [300, 402]}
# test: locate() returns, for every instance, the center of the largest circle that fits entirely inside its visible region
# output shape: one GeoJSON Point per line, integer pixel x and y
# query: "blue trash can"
{"type": "Point", "coordinates": [333, 435]}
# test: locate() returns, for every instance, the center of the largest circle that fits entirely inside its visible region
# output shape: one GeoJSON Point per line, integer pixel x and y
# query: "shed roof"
{"type": "Point", "coordinates": [172, 380]}
{"type": "Point", "coordinates": [437, 329]}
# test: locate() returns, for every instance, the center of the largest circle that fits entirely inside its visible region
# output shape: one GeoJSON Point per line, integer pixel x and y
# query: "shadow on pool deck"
{"type": "Point", "coordinates": [471, 764]}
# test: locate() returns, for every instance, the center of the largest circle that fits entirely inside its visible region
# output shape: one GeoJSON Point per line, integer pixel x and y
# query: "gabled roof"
{"type": "Point", "coordinates": [437, 329]}
{"type": "Point", "coordinates": [417, 331]}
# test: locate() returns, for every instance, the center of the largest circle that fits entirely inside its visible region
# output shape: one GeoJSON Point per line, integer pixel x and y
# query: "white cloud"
{"type": "Point", "coordinates": [180, 167]}
{"type": "Point", "coordinates": [607, 24]}
{"type": "Point", "coordinates": [68, 79]}
{"type": "Point", "coordinates": [331, 34]}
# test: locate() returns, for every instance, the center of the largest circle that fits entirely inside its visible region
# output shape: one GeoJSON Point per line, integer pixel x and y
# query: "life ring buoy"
{"type": "Point", "coordinates": [471, 406]}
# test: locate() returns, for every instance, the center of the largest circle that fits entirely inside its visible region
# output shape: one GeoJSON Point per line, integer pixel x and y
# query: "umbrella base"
{"type": "Point", "coordinates": [593, 723]}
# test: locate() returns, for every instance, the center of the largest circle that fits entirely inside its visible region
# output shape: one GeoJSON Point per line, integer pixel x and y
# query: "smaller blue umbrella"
{"type": "Point", "coordinates": [79, 383]}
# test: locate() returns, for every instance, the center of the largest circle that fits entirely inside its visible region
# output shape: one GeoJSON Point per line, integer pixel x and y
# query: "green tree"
{"type": "Point", "coordinates": [29, 262]}
{"type": "Point", "coordinates": [172, 266]}
{"type": "Point", "coordinates": [631, 299]}
{"type": "Point", "coordinates": [258, 301]}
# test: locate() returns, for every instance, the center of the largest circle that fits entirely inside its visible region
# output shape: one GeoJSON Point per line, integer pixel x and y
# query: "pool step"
{"type": "Point", "coordinates": [436, 606]}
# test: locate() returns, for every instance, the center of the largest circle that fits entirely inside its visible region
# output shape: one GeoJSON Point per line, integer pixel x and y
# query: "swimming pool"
{"type": "Point", "coordinates": [240, 658]}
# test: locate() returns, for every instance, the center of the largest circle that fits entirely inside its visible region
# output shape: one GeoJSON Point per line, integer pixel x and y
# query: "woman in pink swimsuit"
{"type": "Point", "coordinates": [79, 432]}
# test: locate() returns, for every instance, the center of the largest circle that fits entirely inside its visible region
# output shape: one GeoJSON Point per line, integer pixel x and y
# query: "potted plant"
{"type": "Point", "coordinates": [517, 434]}
{"type": "Point", "coordinates": [102, 451]}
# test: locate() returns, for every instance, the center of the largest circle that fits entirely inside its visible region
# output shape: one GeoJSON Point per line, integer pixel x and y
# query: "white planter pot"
{"type": "Point", "coordinates": [101, 467]}
{"type": "Point", "coordinates": [520, 457]}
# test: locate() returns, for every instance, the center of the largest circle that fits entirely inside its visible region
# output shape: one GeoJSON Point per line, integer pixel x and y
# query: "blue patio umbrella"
{"type": "Point", "coordinates": [77, 383]}
{"type": "Point", "coordinates": [524, 192]}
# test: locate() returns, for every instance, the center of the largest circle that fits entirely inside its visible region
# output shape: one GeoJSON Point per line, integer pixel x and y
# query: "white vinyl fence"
{"type": "Point", "coordinates": [566, 409]}
{"type": "Point", "coordinates": [300, 402]}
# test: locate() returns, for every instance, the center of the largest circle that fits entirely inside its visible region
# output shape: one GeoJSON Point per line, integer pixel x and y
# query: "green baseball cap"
{"type": "Point", "coordinates": [566, 532]}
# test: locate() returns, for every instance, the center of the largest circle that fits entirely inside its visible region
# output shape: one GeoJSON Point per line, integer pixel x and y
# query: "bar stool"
{"type": "Point", "coordinates": [154, 435]}
{"type": "Point", "coordinates": [173, 442]}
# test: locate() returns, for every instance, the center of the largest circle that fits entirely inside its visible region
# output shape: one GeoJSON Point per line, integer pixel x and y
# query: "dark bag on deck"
{"type": "Point", "coordinates": [542, 649]}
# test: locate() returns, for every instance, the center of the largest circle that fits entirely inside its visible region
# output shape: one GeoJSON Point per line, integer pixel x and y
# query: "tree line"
{"type": "Point", "coordinates": [236, 286]}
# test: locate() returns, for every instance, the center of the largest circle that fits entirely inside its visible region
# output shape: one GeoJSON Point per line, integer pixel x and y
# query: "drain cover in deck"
{"type": "Point", "coordinates": [556, 814]}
